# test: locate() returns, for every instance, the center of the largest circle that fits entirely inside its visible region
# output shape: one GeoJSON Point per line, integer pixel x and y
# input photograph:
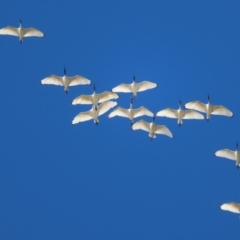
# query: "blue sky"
{"type": "Point", "coordinates": [64, 181]}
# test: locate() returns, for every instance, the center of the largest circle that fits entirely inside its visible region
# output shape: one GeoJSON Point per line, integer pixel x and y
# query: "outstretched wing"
{"type": "Point", "coordinates": [162, 130]}
{"type": "Point", "coordinates": [106, 96]}
{"type": "Point", "coordinates": [53, 79]}
{"type": "Point", "coordinates": [9, 31]}
{"type": "Point", "coordinates": [145, 85]}
{"type": "Point", "coordinates": [226, 153]}
{"type": "Point", "coordinates": [82, 117]}
{"type": "Point", "coordinates": [83, 99]}
{"type": "Point", "coordinates": [196, 105]}
{"type": "Point", "coordinates": [123, 88]}
{"type": "Point", "coordinates": [221, 110]}
{"type": "Point", "coordinates": [142, 111]}
{"type": "Point", "coordinates": [121, 112]}
{"type": "Point", "coordinates": [32, 32]}
{"type": "Point", "coordinates": [141, 125]}
{"type": "Point", "coordinates": [168, 112]}
{"type": "Point", "coordinates": [191, 114]}
{"type": "Point", "coordinates": [78, 80]}
{"type": "Point", "coordinates": [104, 107]}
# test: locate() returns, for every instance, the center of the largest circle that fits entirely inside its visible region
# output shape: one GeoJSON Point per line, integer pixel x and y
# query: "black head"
{"type": "Point", "coordinates": [180, 103]}
{"type": "Point", "coordinates": [64, 70]}
{"type": "Point", "coordinates": [153, 118]}
{"type": "Point", "coordinates": [131, 100]}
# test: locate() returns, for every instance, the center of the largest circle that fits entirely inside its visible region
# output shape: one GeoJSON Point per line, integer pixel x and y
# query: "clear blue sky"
{"type": "Point", "coordinates": [64, 181]}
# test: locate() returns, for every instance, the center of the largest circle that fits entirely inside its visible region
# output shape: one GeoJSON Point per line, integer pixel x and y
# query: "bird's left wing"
{"type": "Point", "coordinates": [162, 130]}
{"type": "Point", "coordinates": [106, 96]}
{"type": "Point", "coordinates": [32, 32]}
{"type": "Point", "coordinates": [104, 107]}
{"type": "Point", "coordinates": [145, 85]}
{"type": "Point", "coordinates": [78, 80]}
{"type": "Point", "coordinates": [221, 110]}
{"type": "Point", "coordinates": [191, 114]}
{"type": "Point", "coordinates": [142, 111]}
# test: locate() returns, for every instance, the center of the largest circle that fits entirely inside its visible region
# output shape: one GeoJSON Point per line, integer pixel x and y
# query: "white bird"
{"type": "Point", "coordinates": [66, 81]}
{"type": "Point", "coordinates": [232, 155]}
{"type": "Point", "coordinates": [180, 114]}
{"type": "Point", "coordinates": [231, 207]}
{"type": "Point", "coordinates": [94, 113]}
{"type": "Point", "coordinates": [152, 128]}
{"type": "Point", "coordinates": [21, 32]}
{"type": "Point", "coordinates": [130, 113]}
{"type": "Point", "coordinates": [95, 98]}
{"type": "Point", "coordinates": [134, 87]}
{"type": "Point", "coordinates": [209, 108]}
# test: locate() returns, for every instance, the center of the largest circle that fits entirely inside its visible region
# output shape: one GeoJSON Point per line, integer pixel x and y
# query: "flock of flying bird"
{"type": "Point", "coordinates": [105, 105]}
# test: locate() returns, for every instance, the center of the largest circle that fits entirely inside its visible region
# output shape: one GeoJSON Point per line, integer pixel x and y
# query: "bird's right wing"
{"type": "Point", "coordinates": [32, 32]}
{"type": "Point", "coordinates": [121, 112]}
{"type": "Point", "coordinates": [123, 88]}
{"type": "Point", "coordinates": [9, 31]}
{"type": "Point", "coordinates": [106, 96]}
{"type": "Point", "coordinates": [168, 112]}
{"type": "Point", "coordinates": [141, 125]}
{"type": "Point", "coordinates": [145, 85]}
{"type": "Point", "coordinates": [191, 114]}
{"type": "Point", "coordinates": [82, 117]}
{"type": "Point", "coordinates": [226, 153]}
{"type": "Point", "coordinates": [83, 99]}
{"type": "Point", "coordinates": [141, 112]}
{"type": "Point", "coordinates": [53, 79]}
{"type": "Point", "coordinates": [162, 130]}
{"type": "Point", "coordinates": [104, 107]}
{"type": "Point", "coordinates": [196, 105]}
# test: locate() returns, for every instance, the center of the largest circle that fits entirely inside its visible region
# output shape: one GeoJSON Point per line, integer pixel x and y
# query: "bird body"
{"type": "Point", "coordinates": [95, 98]}
{"type": "Point", "coordinates": [231, 207]}
{"type": "Point", "coordinates": [130, 113]}
{"type": "Point", "coordinates": [94, 113]}
{"type": "Point", "coordinates": [229, 154]}
{"type": "Point", "coordinates": [66, 81]}
{"type": "Point", "coordinates": [209, 108]}
{"type": "Point", "coordinates": [21, 32]}
{"type": "Point", "coordinates": [134, 87]}
{"type": "Point", "coordinates": [180, 114]}
{"type": "Point", "coordinates": [152, 128]}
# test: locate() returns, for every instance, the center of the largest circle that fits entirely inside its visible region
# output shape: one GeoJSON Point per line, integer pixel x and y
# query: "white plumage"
{"type": "Point", "coordinates": [152, 128]}
{"type": "Point", "coordinates": [95, 98]}
{"type": "Point", "coordinates": [134, 87]}
{"type": "Point", "coordinates": [94, 113]}
{"type": "Point", "coordinates": [209, 108]}
{"type": "Point", "coordinates": [231, 207]}
{"type": "Point", "coordinates": [130, 113]}
{"type": "Point", "coordinates": [180, 114]}
{"type": "Point", "coordinates": [66, 81]}
{"type": "Point", "coordinates": [229, 154]}
{"type": "Point", "coordinates": [21, 32]}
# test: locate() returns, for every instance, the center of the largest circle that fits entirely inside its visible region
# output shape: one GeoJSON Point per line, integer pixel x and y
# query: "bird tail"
{"type": "Point", "coordinates": [152, 135]}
